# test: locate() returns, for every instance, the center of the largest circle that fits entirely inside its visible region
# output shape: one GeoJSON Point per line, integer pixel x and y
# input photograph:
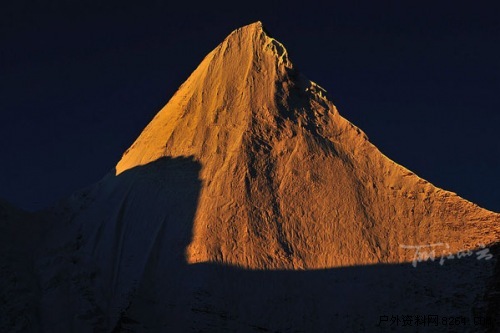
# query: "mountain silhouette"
{"type": "Point", "coordinates": [250, 204]}
{"type": "Point", "coordinates": [288, 182]}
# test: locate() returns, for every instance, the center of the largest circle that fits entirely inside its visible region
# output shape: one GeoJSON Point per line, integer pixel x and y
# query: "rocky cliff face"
{"type": "Point", "coordinates": [286, 181]}
{"type": "Point", "coordinates": [249, 203]}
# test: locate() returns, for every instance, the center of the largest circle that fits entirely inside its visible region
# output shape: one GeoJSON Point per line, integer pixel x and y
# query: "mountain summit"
{"type": "Point", "coordinates": [286, 181]}
{"type": "Point", "coordinates": [236, 85]}
{"type": "Point", "coordinates": [250, 204]}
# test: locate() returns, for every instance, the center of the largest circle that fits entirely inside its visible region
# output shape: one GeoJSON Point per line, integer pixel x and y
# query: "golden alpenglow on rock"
{"type": "Point", "coordinates": [288, 183]}
{"type": "Point", "coordinates": [249, 204]}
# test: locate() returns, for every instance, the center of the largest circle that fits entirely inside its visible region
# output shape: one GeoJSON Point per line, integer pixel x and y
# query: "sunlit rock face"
{"type": "Point", "coordinates": [286, 181]}
{"type": "Point", "coordinates": [248, 204]}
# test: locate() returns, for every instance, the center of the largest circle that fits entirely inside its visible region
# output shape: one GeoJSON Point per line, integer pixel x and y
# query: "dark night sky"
{"type": "Point", "coordinates": [79, 82]}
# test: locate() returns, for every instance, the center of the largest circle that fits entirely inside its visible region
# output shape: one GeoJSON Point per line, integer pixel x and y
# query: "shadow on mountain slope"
{"type": "Point", "coordinates": [216, 298]}
{"type": "Point", "coordinates": [108, 238]}
{"type": "Point", "coordinates": [124, 270]}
